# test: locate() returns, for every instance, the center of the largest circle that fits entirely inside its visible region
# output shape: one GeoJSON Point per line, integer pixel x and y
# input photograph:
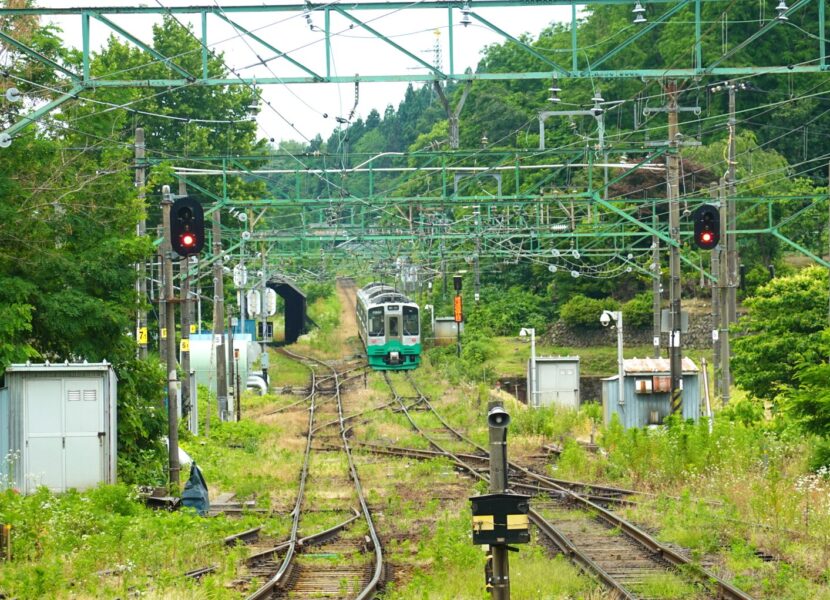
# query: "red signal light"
{"type": "Point", "coordinates": [187, 226]}
{"type": "Point", "coordinates": [707, 226]}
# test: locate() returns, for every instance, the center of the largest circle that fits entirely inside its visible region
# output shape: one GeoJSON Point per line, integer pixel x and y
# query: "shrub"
{"type": "Point", "coordinates": [581, 311]}
{"type": "Point", "coordinates": [142, 422]}
{"type": "Point", "coordinates": [315, 291]}
{"type": "Point", "coordinates": [638, 312]}
{"type": "Point", "coordinates": [501, 311]}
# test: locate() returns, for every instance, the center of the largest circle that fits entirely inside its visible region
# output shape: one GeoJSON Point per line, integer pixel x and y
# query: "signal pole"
{"type": "Point", "coordinates": [231, 370]}
{"type": "Point", "coordinates": [172, 380]}
{"type": "Point", "coordinates": [498, 484]}
{"type": "Point", "coordinates": [186, 319]}
{"type": "Point", "coordinates": [219, 320]}
{"type": "Point", "coordinates": [673, 189]}
{"type": "Point", "coordinates": [264, 282]}
{"type": "Point", "coordinates": [162, 232]}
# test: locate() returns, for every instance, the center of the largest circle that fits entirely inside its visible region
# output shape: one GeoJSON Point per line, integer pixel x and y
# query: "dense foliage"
{"type": "Point", "coordinates": [784, 330]}
{"type": "Point", "coordinates": [503, 310]}
{"type": "Point", "coordinates": [581, 311]}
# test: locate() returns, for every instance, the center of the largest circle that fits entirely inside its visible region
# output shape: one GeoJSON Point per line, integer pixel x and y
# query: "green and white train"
{"type": "Point", "coordinates": [389, 326]}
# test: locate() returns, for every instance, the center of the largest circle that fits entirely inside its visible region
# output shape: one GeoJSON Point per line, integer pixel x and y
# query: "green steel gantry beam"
{"type": "Point", "coordinates": [476, 218]}
{"type": "Point", "coordinates": [287, 69]}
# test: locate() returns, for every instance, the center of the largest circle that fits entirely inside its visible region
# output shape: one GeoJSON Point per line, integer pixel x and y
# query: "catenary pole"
{"type": "Point", "coordinates": [673, 189]}
{"type": "Point", "coordinates": [724, 287]}
{"type": "Point", "coordinates": [716, 343]}
{"type": "Point", "coordinates": [141, 231]}
{"type": "Point", "coordinates": [656, 285]}
{"type": "Point", "coordinates": [731, 209]}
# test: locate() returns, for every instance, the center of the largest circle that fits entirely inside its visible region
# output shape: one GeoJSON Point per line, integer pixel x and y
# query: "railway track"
{"type": "Point", "coordinates": [330, 565]}
{"type": "Point", "coordinates": [625, 558]}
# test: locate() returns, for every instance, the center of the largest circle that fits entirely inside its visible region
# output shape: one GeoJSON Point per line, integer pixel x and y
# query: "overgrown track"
{"type": "Point", "coordinates": [624, 557]}
{"type": "Point", "coordinates": [358, 572]}
{"type": "Point", "coordinates": [523, 478]}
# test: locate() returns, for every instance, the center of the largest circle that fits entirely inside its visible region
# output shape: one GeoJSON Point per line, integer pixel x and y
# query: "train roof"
{"type": "Point", "coordinates": [381, 293]}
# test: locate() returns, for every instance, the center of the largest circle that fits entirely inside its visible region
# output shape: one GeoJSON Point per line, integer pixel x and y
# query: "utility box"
{"type": "Point", "coordinates": [203, 357]}
{"type": "Point", "coordinates": [556, 380]}
{"type": "Point", "coordinates": [445, 330]}
{"type": "Point", "coordinates": [58, 423]}
{"type": "Point", "coordinates": [500, 519]}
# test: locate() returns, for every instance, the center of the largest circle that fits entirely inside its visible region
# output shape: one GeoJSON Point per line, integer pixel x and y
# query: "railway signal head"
{"type": "Point", "coordinates": [707, 226]}
{"type": "Point", "coordinates": [187, 227]}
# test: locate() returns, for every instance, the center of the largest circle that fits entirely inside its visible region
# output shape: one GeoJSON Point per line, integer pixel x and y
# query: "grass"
{"type": "Point", "coordinates": [667, 586]}
{"type": "Point", "coordinates": [103, 543]}
{"type": "Point", "coordinates": [448, 567]}
{"type": "Point", "coordinates": [286, 372]}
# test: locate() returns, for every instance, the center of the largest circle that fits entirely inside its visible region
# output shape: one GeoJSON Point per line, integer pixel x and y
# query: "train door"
{"type": "Point", "coordinates": [393, 322]}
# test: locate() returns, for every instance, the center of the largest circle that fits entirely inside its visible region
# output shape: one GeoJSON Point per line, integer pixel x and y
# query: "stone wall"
{"type": "Point", "coordinates": [590, 388]}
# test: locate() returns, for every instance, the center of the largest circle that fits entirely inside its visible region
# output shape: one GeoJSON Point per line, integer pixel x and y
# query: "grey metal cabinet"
{"type": "Point", "coordinates": [61, 424]}
{"type": "Point", "coordinates": [556, 380]}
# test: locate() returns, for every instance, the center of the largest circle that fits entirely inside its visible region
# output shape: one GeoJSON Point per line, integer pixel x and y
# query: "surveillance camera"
{"type": "Point", "coordinates": [498, 417]}
{"type": "Point", "coordinates": [605, 319]}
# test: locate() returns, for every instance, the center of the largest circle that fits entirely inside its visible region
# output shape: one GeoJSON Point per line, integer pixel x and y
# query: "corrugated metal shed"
{"type": "Point", "coordinates": [646, 392]}
{"type": "Point", "coordinates": [59, 423]}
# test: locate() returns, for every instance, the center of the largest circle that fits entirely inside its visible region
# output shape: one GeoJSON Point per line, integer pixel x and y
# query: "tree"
{"type": "Point", "coordinates": [784, 333]}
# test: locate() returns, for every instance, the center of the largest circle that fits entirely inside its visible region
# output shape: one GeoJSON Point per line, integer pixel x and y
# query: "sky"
{"type": "Point", "coordinates": [300, 112]}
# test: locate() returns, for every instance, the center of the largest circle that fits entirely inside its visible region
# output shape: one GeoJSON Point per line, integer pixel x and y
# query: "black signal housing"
{"type": "Point", "coordinates": [187, 226]}
{"type": "Point", "coordinates": [707, 226]}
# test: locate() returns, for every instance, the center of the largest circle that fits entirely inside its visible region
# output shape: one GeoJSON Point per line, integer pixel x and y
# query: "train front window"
{"type": "Point", "coordinates": [410, 320]}
{"type": "Point", "coordinates": [375, 321]}
{"type": "Point", "coordinates": [393, 327]}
